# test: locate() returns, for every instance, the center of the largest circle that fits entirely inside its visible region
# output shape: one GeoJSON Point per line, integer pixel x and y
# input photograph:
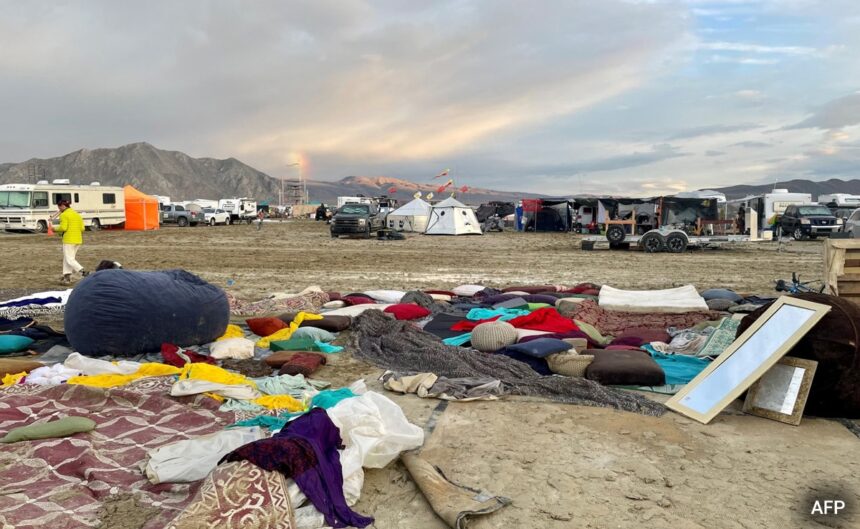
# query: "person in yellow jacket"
{"type": "Point", "coordinates": [72, 228]}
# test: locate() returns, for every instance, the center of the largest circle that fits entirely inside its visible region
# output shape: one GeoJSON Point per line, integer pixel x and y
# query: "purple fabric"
{"type": "Point", "coordinates": [633, 341]}
{"type": "Point", "coordinates": [498, 298]}
{"type": "Point", "coordinates": [306, 450]}
{"type": "Point", "coordinates": [540, 298]}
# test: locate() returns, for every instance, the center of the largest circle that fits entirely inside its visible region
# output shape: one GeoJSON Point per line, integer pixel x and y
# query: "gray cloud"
{"type": "Point", "coordinates": [752, 144]}
{"type": "Point", "coordinates": [714, 153]}
{"type": "Point", "coordinates": [710, 130]}
{"type": "Point", "coordinates": [841, 112]}
{"type": "Point", "coordinates": [658, 153]}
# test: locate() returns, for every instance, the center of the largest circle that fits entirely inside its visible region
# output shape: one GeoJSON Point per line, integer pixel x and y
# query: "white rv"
{"type": "Point", "coordinates": [162, 199]}
{"type": "Point", "coordinates": [239, 209]}
{"type": "Point", "coordinates": [203, 203]}
{"type": "Point", "coordinates": [32, 206]}
{"type": "Point", "coordinates": [840, 200]}
{"type": "Point", "coordinates": [771, 205]}
{"type": "Point", "coordinates": [341, 201]}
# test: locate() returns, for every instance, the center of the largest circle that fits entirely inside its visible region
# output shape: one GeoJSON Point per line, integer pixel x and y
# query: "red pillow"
{"type": "Point", "coordinates": [442, 292]}
{"type": "Point", "coordinates": [358, 300]}
{"type": "Point", "coordinates": [265, 326]}
{"type": "Point", "coordinates": [407, 311]}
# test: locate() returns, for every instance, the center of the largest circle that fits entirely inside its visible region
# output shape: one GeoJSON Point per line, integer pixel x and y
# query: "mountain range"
{"type": "Point", "coordinates": [815, 188]}
{"type": "Point", "coordinates": [181, 177]}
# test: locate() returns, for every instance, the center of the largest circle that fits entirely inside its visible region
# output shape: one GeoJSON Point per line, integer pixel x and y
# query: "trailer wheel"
{"type": "Point", "coordinates": [652, 242]}
{"type": "Point", "coordinates": [615, 234]}
{"type": "Point", "coordinates": [182, 222]}
{"type": "Point", "coordinates": [41, 226]}
{"type": "Point", "coordinates": [676, 242]}
{"type": "Point", "coordinates": [96, 225]}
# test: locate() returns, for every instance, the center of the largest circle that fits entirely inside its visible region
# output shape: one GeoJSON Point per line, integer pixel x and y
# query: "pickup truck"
{"type": "Point", "coordinates": [176, 214]}
{"type": "Point", "coordinates": [808, 221]}
{"type": "Point", "coordinates": [357, 219]}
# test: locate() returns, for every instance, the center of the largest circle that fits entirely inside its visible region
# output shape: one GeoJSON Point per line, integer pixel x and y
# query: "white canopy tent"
{"type": "Point", "coordinates": [452, 217]}
{"type": "Point", "coordinates": [412, 216]}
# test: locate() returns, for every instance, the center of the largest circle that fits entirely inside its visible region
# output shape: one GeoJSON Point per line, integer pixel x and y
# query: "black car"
{"type": "Point", "coordinates": [808, 221]}
{"type": "Point", "coordinates": [357, 219]}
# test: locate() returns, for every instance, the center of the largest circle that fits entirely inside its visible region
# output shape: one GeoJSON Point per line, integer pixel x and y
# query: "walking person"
{"type": "Point", "coordinates": [260, 215]}
{"type": "Point", "coordinates": [72, 228]}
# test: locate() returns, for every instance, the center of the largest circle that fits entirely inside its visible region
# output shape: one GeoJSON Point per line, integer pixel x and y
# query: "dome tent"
{"type": "Point", "coordinates": [412, 216]}
{"type": "Point", "coordinates": [452, 217]}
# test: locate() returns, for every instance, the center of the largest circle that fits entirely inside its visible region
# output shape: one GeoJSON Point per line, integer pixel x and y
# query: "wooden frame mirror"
{"type": "Point", "coordinates": [781, 393]}
{"type": "Point", "coordinates": [755, 351]}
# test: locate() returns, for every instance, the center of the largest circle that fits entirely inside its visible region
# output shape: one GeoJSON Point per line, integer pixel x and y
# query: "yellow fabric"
{"type": "Point", "coordinates": [11, 380]}
{"type": "Point", "coordinates": [285, 333]}
{"type": "Point", "coordinates": [200, 371]}
{"type": "Point", "coordinates": [233, 331]}
{"type": "Point", "coordinates": [109, 381]}
{"type": "Point", "coordinates": [71, 226]}
{"type": "Point", "coordinates": [280, 402]}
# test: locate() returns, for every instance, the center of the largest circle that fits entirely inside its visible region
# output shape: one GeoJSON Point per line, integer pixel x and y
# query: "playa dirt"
{"type": "Point", "coordinates": [563, 466]}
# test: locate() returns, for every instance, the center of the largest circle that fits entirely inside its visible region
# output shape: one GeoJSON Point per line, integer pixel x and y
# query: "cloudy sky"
{"type": "Point", "coordinates": [568, 96]}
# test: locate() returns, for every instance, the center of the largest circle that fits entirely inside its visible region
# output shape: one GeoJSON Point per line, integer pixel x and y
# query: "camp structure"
{"type": "Point", "coordinates": [547, 214]}
{"type": "Point", "coordinates": [412, 216]}
{"type": "Point", "coordinates": [141, 210]}
{"type": "Point", "coordinates": [452, 217]}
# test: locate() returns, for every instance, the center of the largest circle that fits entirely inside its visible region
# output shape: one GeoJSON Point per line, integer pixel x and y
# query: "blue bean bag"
{"type": "Point", "coordinates": [125, 313]}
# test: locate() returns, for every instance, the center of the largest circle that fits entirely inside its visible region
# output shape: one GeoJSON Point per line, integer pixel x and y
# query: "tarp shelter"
{"type": "Point", "coordinates": [548, 214]}
{"type": "Point", "coordinates": [141, 210]}
{"type": "Point", "coordinates": [502, 209]}
{"type": "Point", "coordinates": [412, 216]}
{"type": "Point", "coordinates": [452, 217]}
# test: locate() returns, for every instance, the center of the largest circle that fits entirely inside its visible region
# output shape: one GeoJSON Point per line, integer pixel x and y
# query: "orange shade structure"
{"type": "Point", "coordinates": [141, 210]}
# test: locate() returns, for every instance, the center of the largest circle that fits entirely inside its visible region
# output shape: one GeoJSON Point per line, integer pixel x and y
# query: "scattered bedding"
{"type": "Point", "coordinates": [672, 300]}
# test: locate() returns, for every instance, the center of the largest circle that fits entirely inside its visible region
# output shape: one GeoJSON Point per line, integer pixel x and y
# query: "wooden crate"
{"type": "Point", "coordinates": [842, 267]}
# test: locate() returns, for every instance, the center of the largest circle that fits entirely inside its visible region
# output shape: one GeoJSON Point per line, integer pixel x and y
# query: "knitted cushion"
{"type": "Point", "coordinates": [407, 311]}
{"type": "Point", "coordinates": [265, 326]}
{"type": "Point", "coordinates": [492, 336]}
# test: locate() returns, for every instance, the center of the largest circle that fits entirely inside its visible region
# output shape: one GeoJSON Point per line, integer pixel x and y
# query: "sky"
{"type": "Point", "coordinates": [633, 97]}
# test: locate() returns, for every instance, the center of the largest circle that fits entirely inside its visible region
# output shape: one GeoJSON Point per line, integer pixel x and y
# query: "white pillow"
{"type": "Point", "coordinates": [441, 297]}
{"type": "Point", "coordinates": [386, 296]}
{"type": "Point", "coordinates": [336, 304]}
{"type": "Point", "coordinates": [522, 333]}
{"type": "Point", "coordinates": [467, 291]}
{"type": "Point", "coordinates": [355, 310]}
{"type": "Point", "coordinates": [240, 348]}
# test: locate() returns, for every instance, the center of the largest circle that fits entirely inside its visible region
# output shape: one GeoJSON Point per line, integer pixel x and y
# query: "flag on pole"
{"type": "Point", "coordinates": [441, 189]}
{"type": "Point", "coordinates": [417, 194]}
{"type": "Point", "coordinates": [443, 173]}
{"type": "Point", "coordinates": [392, 190]}
{"type": "Point", "coordinates": [449, 183]}
{"type": "Point", "coordinates": [464, 189]}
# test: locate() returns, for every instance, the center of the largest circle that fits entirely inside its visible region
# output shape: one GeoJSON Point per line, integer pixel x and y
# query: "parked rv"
{"type": "Point", "coordinates": [770, 206]}
{"type": "Point", "coordinates": [240, 209]}
{"type": "Point", "coordinates": [31, 207]}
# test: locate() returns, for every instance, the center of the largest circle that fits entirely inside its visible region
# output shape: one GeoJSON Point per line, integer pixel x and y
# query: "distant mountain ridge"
{"type": "Point", "coordinates": [815, 188]}
{"type": "Point", "coordinates": [181, 177]}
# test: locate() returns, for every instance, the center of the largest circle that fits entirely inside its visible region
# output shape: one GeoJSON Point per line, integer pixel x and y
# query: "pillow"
{"type": "Point", "coordinates": [357, 300]}
{"type": "Point", "coordinates": [646, 335]}
{"type": "Point", "coordinates": [302, 364]}
{"type": "Point", "coordinates": [525, 333]}
{"type": "Point", "coordinates": [336, 304]}
{"type": "Point", "coordinates": [511, 303]}
{"type": "Point", "coordinates": [540, 298]}
{"type": "Point", "coordinates": [538, 365]}
{"type": "Point", "coordinates": [541, 348]}
{"type": "Point", "coordinates": [356, 310]}
{"type": "Point", "coordinates": [441, 293]}
{"type": "Point", "coordinates": [328, 322]}
{"type": "Point", "coordinates": [565, 336]}
{"type": "Point", "coordinates": [721, 293]}
{"type": "Point", "coordinates": [535, 306]}
{"type": "Point", "coordinates": [407, 311]}
{"type": "Point", "coordinates": [265, 326]}
{"type": "Point", "coordinates": [15, 365]}
{"type": "Point", "coordinates": [439, 297]}
{"type": "Point", "coordinates": [386, 296]}
{"type": "Point", "coordinates": [720, 304]}
{"type": "Point", "coordinates": [632, 341]}
{"type": "Point", "coordinates": [50, 430]}
{"type": "Point", "coordinates": [467, 291]}
{"type": "Point", "coordinates": [305, 343]}
{"type": "Point", "coordinates": [493, 335]}
{"type": "Point", "coordinates": [535, 289]}
{"type": "Point", "coordinates": [627, 368]}
{"type": "Point", "coordinates": [232, 348]}
{"type": "Point", "coordinates": [315, 334]}
{"type": "Point", "coordinates": [12, 343]}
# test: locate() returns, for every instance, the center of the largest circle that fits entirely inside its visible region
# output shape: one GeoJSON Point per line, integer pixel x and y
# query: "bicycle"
{"type": "Point", "coordinates": [796, 286]}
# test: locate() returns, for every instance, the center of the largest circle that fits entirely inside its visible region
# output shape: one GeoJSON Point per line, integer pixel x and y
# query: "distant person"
{"type": "Point", "coordinates": [260, 215]}
{"type": "Point", "coordinates": [321, 213]}
{"type": "Point", "coordinates": [72, 228]}
{"type": "Point", "coordinates": [741, 220]}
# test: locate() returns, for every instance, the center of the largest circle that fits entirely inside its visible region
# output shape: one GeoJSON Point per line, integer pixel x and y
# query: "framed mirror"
{"type": "Point", "coordinates": [752, 354]}
{"type": "Point", "coordinates": [781, 393]}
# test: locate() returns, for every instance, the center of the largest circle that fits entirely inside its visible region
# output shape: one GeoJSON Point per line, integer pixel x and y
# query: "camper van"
{"type": "Point", "coordinates": [31, 207]}
{"type": "Point", "coordinates": [771, 205]}
{"type": "Point", "coordinates": [839, 200]}
{"type": "Point", "coordinates": [341, 201]}
{"type": "Point", "coordinates": [240, 209]}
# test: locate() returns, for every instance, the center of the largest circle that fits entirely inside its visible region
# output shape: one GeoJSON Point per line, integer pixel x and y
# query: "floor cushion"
{"type": "Point", "coordinates": [531, 289]}
{"type": "Point", "coordinates": [721, 293]}
{"type": "Point", "coordinates": [633, 341]}
{"type": "Point", "coordinates": [357, 300]}
{"type": "Point", "coordinates": [539, 365]}
{"type": "Point", "coordinates": [407, 311]}
{"type": "Point", "coordinates": [13, 343]}
{"type": "Point", "coordinates": [328, 322]}
{"type": "Point", "coordinates": [314, 333]}
{"type": "Point", "coordinates": [16, 365]}
{"type": "Point", "coordinates": [336, 304]}
{"type": "Point", "coordinates": [560, 336]}
{"type": "Point", "coordinates": [646, 335]}
{"type": "Point", "coordinates": [467, 291]}
{"type": "Point", "coordinates": [628, 368]}
{"type": "Point", "coordinates": [386, 296]}
{"type": "Point", "coordinates": [232, 348]}
{"type": "Point", "coordinates": [720, 304]}
{"type": "Point", "coordinates": [492, 336]}
{"type": "Point", "coordinates": [541, 347]}
{"type": "Point", "coordinates": [540, 298]}
{"type": "Point", "coordinates": [265, 326]}
{"type": "Point", "coordinates": [302, 363]}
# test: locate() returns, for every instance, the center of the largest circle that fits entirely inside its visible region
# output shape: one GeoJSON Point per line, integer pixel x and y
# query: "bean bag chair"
{"type": "Point", "coordinates": [492, 336]}
{"type": "Point", "coordinates": [407, 311]}
{"type": "Point", "coordinates": [626, 368]}
{"type": "Point", "coordinates": [265, 326]}
{"type": "Point", "coordinates": [13, 343]}
{"type": "Point", "coordinates": [126, 313]}
{"type": "Point", "coordinates": [533, 289]}
{"type": "Point", "coordinates": [721, 293]}
{"type": "Point", "coordinates": [541, 347]}
{"type": "Point", "coordinates": [328, 323]}
{"type": "Point", "coordinates": [834, 343]}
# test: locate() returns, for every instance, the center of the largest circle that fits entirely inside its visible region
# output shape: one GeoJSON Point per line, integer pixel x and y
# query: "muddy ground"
{"type": "Point", "coordinates": [563, 466]}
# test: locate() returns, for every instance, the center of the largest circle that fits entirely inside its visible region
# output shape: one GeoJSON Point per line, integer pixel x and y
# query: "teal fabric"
{"type": "Point", "coordinates": [458, 340]}
{"type": "Point", "coordinates": [503, 314]}
{"type": "Point", "coordinates": [304, 343]}
{"type": "Point", "coordinates": [327, 348]}
{"type": "Point", "coordinates": [330, 397]}
{"type": "Point", "coordinates": [679, 369]}
{"type": "Point", "coordinates": [317, 335]}
{"type": "Point", "coordinates": [13, 343]}
{"type": "Point", "coordinates": [324, 399]}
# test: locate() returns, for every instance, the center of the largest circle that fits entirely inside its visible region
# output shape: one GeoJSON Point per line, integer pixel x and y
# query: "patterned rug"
{"type": "Point", "coordinates": [77, 481]}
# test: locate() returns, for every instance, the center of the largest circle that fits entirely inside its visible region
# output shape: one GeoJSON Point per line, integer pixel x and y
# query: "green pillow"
{"type": "Point", "coordinates": [536, 306]}
{"type": "Point", "coordinates": [314, 333]}
{"type": "Point", "coordinates": [293, 344]}
{"type": "Point", "coordinates": [50, 430]}
{"type": "Point", "coordinates": [12, 343]}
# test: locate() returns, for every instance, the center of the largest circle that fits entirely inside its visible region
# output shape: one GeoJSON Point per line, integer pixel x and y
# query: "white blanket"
{"type": "Point", "coordinates": [672, 300]}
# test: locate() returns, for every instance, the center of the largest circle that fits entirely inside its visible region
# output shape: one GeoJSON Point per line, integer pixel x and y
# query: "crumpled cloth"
{"type": "Point", "coordinates": [428, 385]}
{"type": "Point", "coordinates": [176, 356]}
{"type": "Point", "coordinates": [311, 301]}
{"type": "Point", "coordinates": [193, 459]}
{"type": "Point", "coordinates": [51, 375]}
{"type": "Point", "coordinates": [186, 387]}
{"type": "Point", "coordinates": [545, 319]}
{"type": "Point", "coordinates": [109, 381]}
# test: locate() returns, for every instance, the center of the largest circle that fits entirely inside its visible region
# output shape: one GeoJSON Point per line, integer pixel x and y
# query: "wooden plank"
{"type": "Point", "coordinates": [848, 288]}
{"type": "Point", "coordinates": [852, 270]}
{"type": "Point", "coordinates": [852, 263]}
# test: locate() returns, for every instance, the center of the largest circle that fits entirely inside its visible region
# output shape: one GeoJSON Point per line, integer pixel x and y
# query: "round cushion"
{"type": "Point", "coordinates": [407, 311]}
{"type": "Point", "coordinates": [721, 293]}
{"type": "Point", "coordinates": [493, 335]}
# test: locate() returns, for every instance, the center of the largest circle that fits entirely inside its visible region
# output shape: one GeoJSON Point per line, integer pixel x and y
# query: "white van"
{"type": "Point", "coordinates": [32, 206]}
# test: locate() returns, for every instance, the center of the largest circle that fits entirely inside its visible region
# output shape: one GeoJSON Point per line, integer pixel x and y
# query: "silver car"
{"type": "Point", "coordinates": [852, 224]}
